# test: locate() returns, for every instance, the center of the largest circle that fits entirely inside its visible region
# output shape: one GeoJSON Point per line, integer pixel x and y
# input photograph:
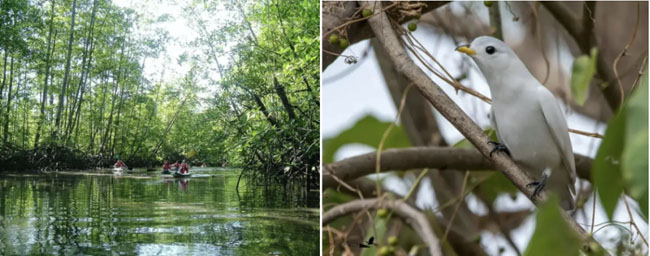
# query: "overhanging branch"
{"type": "Point", "coordinates": [443, 158]}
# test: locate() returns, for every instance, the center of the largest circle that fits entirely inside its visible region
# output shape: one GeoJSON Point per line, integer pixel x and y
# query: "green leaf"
{"type": "Point", "coordinates": [622, 159]}
{"type": "Point", "coordinates": [552, 234]}
{"type": "Point", "coordinates": [584, 68]}
{"type": "Point", "coordinates": [368, 131]}
{"type": "Point", "coordinates": [493, 184]}
{"type": "Point", "coordinates": [634, 158]}
{"type": "Point", "coordinates": [464, 143]}
{"type": "Point", "coordinates": [607, 166]}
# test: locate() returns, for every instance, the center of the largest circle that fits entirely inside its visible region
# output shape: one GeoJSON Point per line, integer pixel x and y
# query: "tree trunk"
{"type": "Point", "coordinates": [262, 108]}
{"type": "Point", "coordinates": [25, 112]}
{"type": "Point", "coordinates": [99, 127]}
{"type": "Point", "coordinates": [85, 71]}
{"type": "Point", "coordinates": [47, 74]}
{"type": "Point", "coordinates": [4, 73]}
{"type": "Point", "coordinates": [66, 73]}
{"type": "Point", "coordinates": [7, 113]}
{"type": "Point", "coordinates": [117, 129]}
{"type": "Point", "coordinates": [169, 127]}
{"type": "Point", "coordinates": [283, 97]}
{"type": "Point", "coordinates": [106, 138]}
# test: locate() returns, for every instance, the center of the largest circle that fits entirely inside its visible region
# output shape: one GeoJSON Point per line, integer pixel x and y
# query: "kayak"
{"type": "Point", "coordinates": [118, 169]}
{"type": "Point", "coordinates": [166, 172]}
{"type": "Point", "coordinates": [180, 175]}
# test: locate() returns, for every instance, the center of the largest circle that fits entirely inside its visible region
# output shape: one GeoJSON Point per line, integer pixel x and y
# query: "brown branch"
{"type": "Point", "coordinates": [588, 22]}
{"type": "Point", "coordinates": [413, 217]}
{"type": "Point", "coordinates": [443, 158]}
{"type": "Point", "coordinates": [382, 28]}
{"type": "Point", "coordinates": [589, 134]}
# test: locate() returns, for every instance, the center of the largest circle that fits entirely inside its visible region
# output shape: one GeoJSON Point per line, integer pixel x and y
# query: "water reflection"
{"type": "Point", "coordinates": [147, 214]}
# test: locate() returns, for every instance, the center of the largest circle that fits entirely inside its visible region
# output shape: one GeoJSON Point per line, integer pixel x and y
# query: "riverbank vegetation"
{"type": "Point", "coordinates": [84, 82]}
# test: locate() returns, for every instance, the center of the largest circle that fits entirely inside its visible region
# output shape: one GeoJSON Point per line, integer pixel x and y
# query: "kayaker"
{"type": "Point", "coordinates": [166, 166]}
{"type": "Point", "coordinates": [203, 165]}
{"type": "Point", "coordinates": [184, 167]}
{"type": "Point", "coordinates": [119, 164]}
{"type": "Point", "coordinates": [176, 166]}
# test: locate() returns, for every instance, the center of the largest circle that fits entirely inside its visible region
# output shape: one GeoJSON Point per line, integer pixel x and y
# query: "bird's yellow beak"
{"type": "Point", "coordinates": [465, 49]}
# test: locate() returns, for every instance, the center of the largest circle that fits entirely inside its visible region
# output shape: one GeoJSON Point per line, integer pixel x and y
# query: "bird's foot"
{"type": "Point", "coordinates": [538, 184]}
{"type": "Point", "coordinates": [498, 147]}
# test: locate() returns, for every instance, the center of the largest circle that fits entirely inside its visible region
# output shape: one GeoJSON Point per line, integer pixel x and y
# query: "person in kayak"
{"type": "Point", "coordinates": [184, 167]}
{"type": "Point", "coordinates": [176, 166]}
{"type": "Point", "coordinates": [119, 164]}
{"type": "Point", "coordinates": [166, 166]}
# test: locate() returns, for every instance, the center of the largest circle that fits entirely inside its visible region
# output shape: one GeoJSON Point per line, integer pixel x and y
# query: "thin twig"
{"type": "Point", "coordinates": [614, 224]}
{"type": "Point", "coordinates": [453, 215]}
{"type": "Point", "coordinates": [589, 134]}
{"type": "Point", "coordinates": [383, 138]}
{"type": "Point", "coordinates": [593, 213]}
{"type": "Point", "coordinates": [415, 184]}
{"type": "Point", "coordinates": [347, 23]}
{"type": "Point", "coordinates": [450, 79]}
{"type": "Point", "coordinates": [331, 239]}
{"type": "Point", "coordinates": [618, 57]}
{"type": "Point", "coordinates": [641, 70]}
{"type": "Point", "coordinates": [346, 185]}
{"type": "Point", "coordinates": [336, 54]}
{"type": "Point", "coordinates": [632, 222]}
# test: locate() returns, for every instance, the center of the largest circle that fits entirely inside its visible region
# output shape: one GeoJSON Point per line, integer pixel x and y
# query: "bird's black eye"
{"type": "Point", "coordinates": [490, 49]}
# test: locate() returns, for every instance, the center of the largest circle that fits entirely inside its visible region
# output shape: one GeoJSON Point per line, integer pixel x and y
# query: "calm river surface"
{"type": "Point", "coordinates": [140, 213]}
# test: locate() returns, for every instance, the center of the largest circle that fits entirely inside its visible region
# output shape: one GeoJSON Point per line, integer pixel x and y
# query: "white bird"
{"type": "Point", "coordinates": [527, 118]}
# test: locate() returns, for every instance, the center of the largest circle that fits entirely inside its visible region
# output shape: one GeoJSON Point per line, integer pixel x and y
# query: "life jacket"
{"type": "Point", "coordinates": [184, 168]}
{"type": "Point", "coordinates": [119, 164]}
{"type": "Point", "coordinates": [166, 166]}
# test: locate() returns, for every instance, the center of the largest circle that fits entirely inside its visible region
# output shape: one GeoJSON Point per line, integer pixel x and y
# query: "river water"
{"type": "Point", "coordinates": [140, 213]}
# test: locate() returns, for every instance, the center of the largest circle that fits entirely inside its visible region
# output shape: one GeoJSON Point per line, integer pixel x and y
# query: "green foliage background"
{"type": "Point", "coordinates": [262, 105]}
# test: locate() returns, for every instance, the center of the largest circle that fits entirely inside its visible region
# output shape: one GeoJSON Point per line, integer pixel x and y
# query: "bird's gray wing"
{"type": "Point", "coordinates": [559, 129]}
{"type": "Point", "coordinates": [493, 122]}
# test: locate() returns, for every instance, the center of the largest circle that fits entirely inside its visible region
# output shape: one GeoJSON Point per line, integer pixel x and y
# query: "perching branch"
{"type": "Point", "coordinates": [413, 217]}
{"type": "Point", "coordinates": [383, 30]}
{"type": "Point", "coordinates": [442, 158]}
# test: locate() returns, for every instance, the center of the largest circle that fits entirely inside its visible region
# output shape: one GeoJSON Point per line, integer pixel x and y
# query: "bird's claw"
{"type": "Point", "coordinates": [539, 186]}
{"type": "Point", "coordinates": [498, 147]}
